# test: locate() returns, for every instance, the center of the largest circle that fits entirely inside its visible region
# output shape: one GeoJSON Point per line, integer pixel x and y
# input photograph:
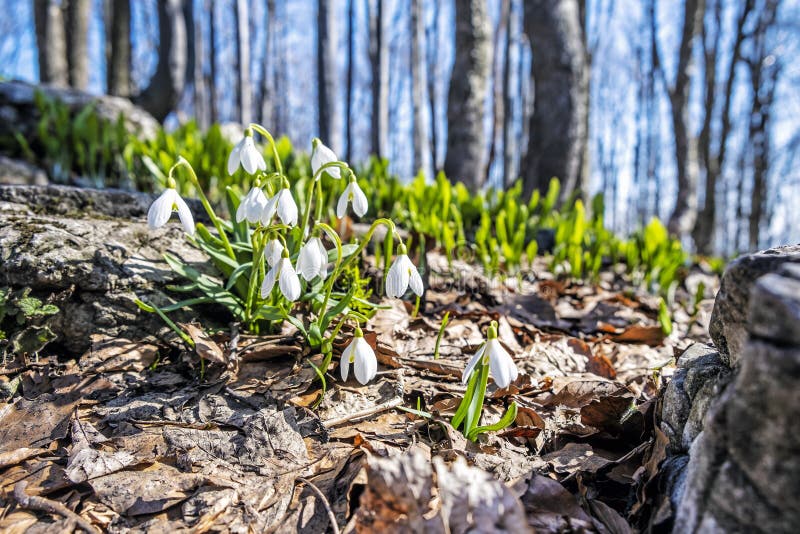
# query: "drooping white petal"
{"type": "Point", "coordinates": [309, 261]}
{"type": "Point", "coordinates": [365, 365]}
{"type": "Point", "coordinates": [273, 251]}
{"type": "Point", "coordinates": [347, 357]}
{"type": "Point", "coordinates": [256, 206]}
{"type": "Point", "coordinates": [359, 200]}
{"type": "Point", "coordinates": [501, 365]}
{"type": "Point", "coordinates": [323, 254]}
{"type": "Point", "coordinates": [322, 155]}
{"type": "Point", "coordinates": [252, 160]}
{"type": "Point", "coordinates": [185, 215]}
{"type": "Point", "coordinates": [161, 209]}
{"type": "Point", "coordinates": [269, 281]}
{"type": "Point", "coordinates": [287, 209]}
{"type": "Point", "coordinates": [234, 158]}
{"type": "Point", "coordinates": [288, 280]}
{"type": "Point", "coordinates": [415, 280]}
{"type": "Point", "coordinates": [344, 198]}
{"type": "Point", "coordinates": [472, 363]}
{"type": "Point", "coordinates": [241, 211]}
{"type": "Point", "coordinates": [268, 212]}
{"type": "Point", "coordinates": [398, 277]}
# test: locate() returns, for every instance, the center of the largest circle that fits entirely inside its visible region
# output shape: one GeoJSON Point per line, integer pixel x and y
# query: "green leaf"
{"type": "Point", "coordinates": [32, 339]}
{"type": "Point", "coordinates": [664, 318]}
{"type": "Point", "coordinates": [509, 417]}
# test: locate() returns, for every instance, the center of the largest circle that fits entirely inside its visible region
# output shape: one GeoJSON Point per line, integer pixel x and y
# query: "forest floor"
{"type": "Point", "coordinates": [130, 438]}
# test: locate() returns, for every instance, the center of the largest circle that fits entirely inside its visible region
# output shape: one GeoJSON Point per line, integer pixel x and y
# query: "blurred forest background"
{"type": "Point", "coordinates": [686, 110]}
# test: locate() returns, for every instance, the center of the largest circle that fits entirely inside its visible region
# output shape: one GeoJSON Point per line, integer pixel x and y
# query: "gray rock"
{"type": "Point", "coordinates": [744, 471]}
{"type": "Point", "coordinates": [18, 172]}
{"type": "Point", "coordinates": [728, 326]}
{"type": "Point", "coordinates": [19, 114]}
{"type": "Point", "coordinates": [87, 262]}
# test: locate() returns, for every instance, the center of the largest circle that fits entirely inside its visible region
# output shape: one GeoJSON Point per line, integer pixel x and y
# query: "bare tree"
{"type": "Point", "coordinates": [558, 133]}
{"type": "Point", "coordinates": [166, 86]}
{"type": "Point", "coordinates": [245, 90]}
{"type": "Point", "coordinates": [348, 102]}
{"type": "Point", "coordinates": [200, 92]}
{"type": "Point", "coordinates": [419, 84]}
{"type": "Point", "coordinates": [51, 42]}
{"type": "Point", "coordinates": [509, 139]}
{"type": "Point", "coordinates": [267, 94]}
{"type": "Point", "coordinates": [472, 65]}
{"type": "Point", "coordinates": [379, 61]}
{"type": "Point", "coordinates": [327, 90]}
{"type": "Point", "coordinates": [119, 63]}
{"type": "Point", "coordinates": [499, 79]}
{"type": "Point", "coordinates": [212, 76]}
{"type": "Point", "coordinates": [684, 214]}
{"type": "Point", "coordinates": [713, 161]}
{"type": "Point", "coordinates": [431, 55]}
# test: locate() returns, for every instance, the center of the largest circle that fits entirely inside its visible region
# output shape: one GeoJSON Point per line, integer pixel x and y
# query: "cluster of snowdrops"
{"type": "Point", "coordinates": [274, 266]}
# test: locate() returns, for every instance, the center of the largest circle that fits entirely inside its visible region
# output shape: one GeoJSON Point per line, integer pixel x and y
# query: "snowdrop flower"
{"type": "Point", "coordinates": [313, 260]}
{"type": "Point", "coordinates": [402, 273]}
{"type": "Point", "coordinates": [501, 366]}
{"type": "Point", "coordinates": [161, 210]}
{"type": "Point", "coordinates": [273, 251]}
{"type": "Point", "coordinates": [246, 153]}
{"type": "Point", "coordinates": [361, 355]}
{"type": "Point", "coordinates": [284, 205]}
{"type": "Point", "coordinates": [321, 155]}
{"type": "Point", "coordinates": [287, 278]}
{"type": "Point", "coordinates": [252, 206]}
{"type": "Point", "coordinates": [352, 193]}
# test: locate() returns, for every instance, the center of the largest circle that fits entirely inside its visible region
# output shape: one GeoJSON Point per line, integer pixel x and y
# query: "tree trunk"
{"type": "Point", "coordinates": [327, 89]}
{"type": "Point", "coordinates": [498, 82]}
{"type": "Point", "coordinates": [558, 135]}
{"type": "Point", "coordinates": [267, 108]}
{"type": "Point", "coordinates": [212, 82]}
{"type": "Point", "coordinates": [419, 83]}
{"type": "Point", "coordinates": [77, 30]}
{"type": "Point", "coordinates": [348, 102]}
{"type": "Point", "coordinates": [466, 99]}
{"type": "Point", "coordinates": [119, 65]}
{"type": "Point", "coordinates": [706, 222]}
{"type": "Point", "coordinates": [509, 139]}
{"type": "Point", "coordinates": [51, 42]}
{"type": "Point", "coordinates": [245, 90]}
{"type": "Point", "coordinates": [432, 36]}
{"type": "Point", "coordinates": [166, 86]}
{"type": "Point", "coordinates": [379, 63]}
{"type": "Point", "coordinates": [200, 92]}
{"type": "Point", "coordinates": [684, 215]}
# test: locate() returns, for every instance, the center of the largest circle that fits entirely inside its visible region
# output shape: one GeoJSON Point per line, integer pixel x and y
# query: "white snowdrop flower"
{"type": "Point", "coordinates": [273, 251]}
{"type": "Point", "coordinates": [246, 153]}
{"type": "Point", "coordinates": [313, 260]}
{"type": "Point", "coordinates": [402, 274]}
{"type": "Point", "coordinates": [352, 193]}
{"type": "Point", "coordinates": [361, 355]}
{"type": "Point", "coordinates": [288, 281]}
{"type": "Point", "coordinates": [284, 205]}
{"type": "Point", "coordinates": [161, 210]}
{"type": "Point", "coordinates": [322, 155]}
{"type": "Point", "coordinates": [501, 366]}
{"type": "Point", "coordinates": [252, 206]}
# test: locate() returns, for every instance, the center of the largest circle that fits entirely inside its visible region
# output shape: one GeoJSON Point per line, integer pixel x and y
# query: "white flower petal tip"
{"type": "Point", "coordinates": [161, 210]}
{"type": "Point", "coordinates": [403, 274]}
{"type": "Point", "coordinates": [323, 155]}
{"type": "Point", "coordinates": [352, 194]}
{"type": "Point", "coordinates": [312, 260]}
{"type": "Point", "coordinates": [360, 354]}
{"type": "Point", "coordinates": [273, 252]}
{"type": "Point", "coordinates": [501, 365]}
{"type": "Point", "coordinates": [247, 155]}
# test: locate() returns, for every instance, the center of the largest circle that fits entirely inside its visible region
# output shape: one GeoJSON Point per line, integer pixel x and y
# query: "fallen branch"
{"type": "Point", "coordinates": [51, 507]}
{"type": "Point", "coordinates": [325, 502]}
{"type": "Point", "coordinates": [388, 405]}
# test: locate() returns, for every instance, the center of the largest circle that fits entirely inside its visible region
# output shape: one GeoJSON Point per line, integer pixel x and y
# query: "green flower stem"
{"type": "Point", "coordinates": [367, 237]}
{"type": "Point", "coordinates": [318, 214]}
{"type": "Point", "coordinates": [263, 131]}
{"type": "Point", "coordinates": [329, 282]}
{"type": "Point", "coordinates": [259, 244]}
{"type": "Point", "coordinates": [315, 180]}
{"type": "Point", "coordinates": [213, 216]}
{"type": "Point", "coordinates": [476, 403]}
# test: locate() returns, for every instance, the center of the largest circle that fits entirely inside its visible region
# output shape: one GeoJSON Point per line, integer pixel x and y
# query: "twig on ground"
{"type": "Point", "coordinates": [52, 507]}
{"type": "Point", "coordinates": [325, 502]}
{"type": "Point", "coordinates": [388, 405]}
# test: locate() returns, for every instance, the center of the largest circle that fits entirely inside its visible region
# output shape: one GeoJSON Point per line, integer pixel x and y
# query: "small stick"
{"type": "Point", "coordinates": [51, 507]}
{"type": "Point", "coordinates": [325, 502]}
{"type": "Point", "coordinates": [388, 405]}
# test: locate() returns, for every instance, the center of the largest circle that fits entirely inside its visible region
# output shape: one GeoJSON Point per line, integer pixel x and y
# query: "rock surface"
{"type": "Point", "coordinates": [18, 172]}
{"type": "Point", "coordinates": [19, 114]}
{"type": "Point", "coordinates": [744, 473]}
{"type": "Point", "coordinates": [728, 326]}
{"type": "Point", "coordinates": [90, 253]}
